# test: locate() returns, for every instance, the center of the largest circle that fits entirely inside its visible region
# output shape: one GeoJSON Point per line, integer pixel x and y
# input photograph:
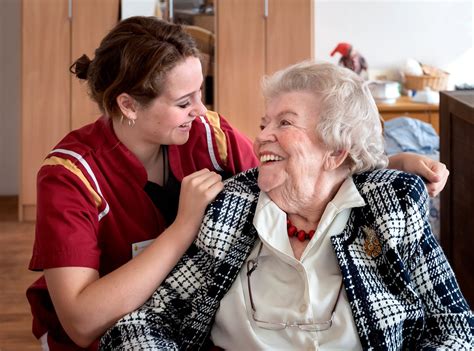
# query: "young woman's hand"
{"type": "Point", "coordinates": [197, 191]}
{"type": "Point", "coordinates": [435, 173]}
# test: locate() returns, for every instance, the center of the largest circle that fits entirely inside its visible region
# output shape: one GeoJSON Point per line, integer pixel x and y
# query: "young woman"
{"type": "Point", "coordinates": [106, 190]}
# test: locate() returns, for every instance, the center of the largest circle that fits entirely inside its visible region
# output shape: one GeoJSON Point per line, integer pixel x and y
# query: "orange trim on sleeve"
{"type": "Point", "coordinates": [221, 141]}
{"type": "Point", "coordinates": [70, 166]}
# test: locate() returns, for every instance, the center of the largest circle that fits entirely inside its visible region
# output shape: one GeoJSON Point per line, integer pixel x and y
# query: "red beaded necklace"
{"type": "Point", "coordinates": [300, 234]}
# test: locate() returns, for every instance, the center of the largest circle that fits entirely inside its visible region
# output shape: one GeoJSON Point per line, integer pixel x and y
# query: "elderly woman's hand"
{"type": "Point", "coordinates": [435, 173]}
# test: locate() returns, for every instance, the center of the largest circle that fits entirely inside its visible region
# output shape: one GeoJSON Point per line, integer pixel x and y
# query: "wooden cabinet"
{"type": "Point", "coordinates": [54, 34]}
{"type": "Point", "coordinates": [457, 198]}
{"type": "Point", "coordinates": [255, 38]}
{"type": "Point", "coordinates": [91, 21]}
{"type": "Point", "coordinates": [405, 107]}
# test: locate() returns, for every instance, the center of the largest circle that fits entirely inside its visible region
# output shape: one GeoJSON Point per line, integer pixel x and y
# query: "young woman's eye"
{"type": "Point", "coordinates": [184, 105]}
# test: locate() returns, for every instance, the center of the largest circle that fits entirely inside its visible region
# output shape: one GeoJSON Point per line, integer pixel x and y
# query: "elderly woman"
{"type": "Point", "coordinates": [318, 248]}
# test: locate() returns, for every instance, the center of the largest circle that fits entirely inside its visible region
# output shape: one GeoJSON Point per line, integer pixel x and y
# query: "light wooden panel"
{"type": "Point", "coordinates": [45, 86]}
{"type": "Point", "coordinates": [289, 33]}
{"type": "Point", "coordinates": [87, 32]}
{"type": "Point", "coordinates": [240, 63]}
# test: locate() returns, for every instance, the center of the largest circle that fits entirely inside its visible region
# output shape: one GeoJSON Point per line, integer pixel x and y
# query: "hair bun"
{"type": "Point", "coordinates": [81, 66]}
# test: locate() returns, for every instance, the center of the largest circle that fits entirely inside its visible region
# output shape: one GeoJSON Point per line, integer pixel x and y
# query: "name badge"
{"type": "Point", "coordinates": [140, 246]}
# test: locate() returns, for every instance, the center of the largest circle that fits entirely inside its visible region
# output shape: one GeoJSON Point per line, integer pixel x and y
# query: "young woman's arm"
{"type": "Point", "coordinates": [435, 173]}
{"type": "Point", "coordinates": [87, 305]}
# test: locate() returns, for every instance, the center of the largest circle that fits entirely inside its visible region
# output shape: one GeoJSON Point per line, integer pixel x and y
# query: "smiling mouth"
{"type": "Point", "coordinates": [186, 125]}
{"type": "Point", "coordinates": [270, 158]}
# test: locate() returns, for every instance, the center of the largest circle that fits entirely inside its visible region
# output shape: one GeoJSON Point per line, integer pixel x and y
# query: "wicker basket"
{"type": "Point", "coordinates": [437, 83]}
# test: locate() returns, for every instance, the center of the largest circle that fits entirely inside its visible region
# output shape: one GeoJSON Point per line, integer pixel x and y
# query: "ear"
{"type": "Point", "coordinates": [334, 159]}
{"type": "Point", "coordinates": [127, 105]}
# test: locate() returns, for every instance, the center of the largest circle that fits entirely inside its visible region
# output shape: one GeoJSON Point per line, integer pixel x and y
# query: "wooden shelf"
{"type": "Point", "coordinates": [404, 106]}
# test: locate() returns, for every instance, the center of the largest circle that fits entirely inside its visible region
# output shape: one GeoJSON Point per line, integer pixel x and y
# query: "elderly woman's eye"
{"type": "Point", "coordinates": [262, 127]}
{"type": "Point", "coordinates": [285, 122]}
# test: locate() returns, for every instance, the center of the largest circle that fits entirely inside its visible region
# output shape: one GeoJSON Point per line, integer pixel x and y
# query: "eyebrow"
{"type": "Point", "coordinates": [188, 95]}
{"type": "Point", "coordinates": [184, 96]}
{"type": "Point", "coordinates": [282, 113]}
{"type": "Point", "coordinates": [287, 112]}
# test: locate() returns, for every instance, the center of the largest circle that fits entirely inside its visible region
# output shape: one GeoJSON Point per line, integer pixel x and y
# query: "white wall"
{"type": "Point", "coordinates": [386, 33]}
{"type": "Point", "coordinates": [9, 96]}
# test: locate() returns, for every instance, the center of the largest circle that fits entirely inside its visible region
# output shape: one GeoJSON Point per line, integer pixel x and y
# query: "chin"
{"type": "Point", "coordinates": [181, 140]}
{"type": "Point", "coordinates": [266, 183]}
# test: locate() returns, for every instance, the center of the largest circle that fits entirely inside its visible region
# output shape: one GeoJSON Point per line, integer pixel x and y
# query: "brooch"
{"type": "Point", "coordinates": [372, 245]}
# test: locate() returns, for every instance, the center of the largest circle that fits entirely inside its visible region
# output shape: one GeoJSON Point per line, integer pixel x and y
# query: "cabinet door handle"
{"type": "Point", "coordinates": [265, 8]}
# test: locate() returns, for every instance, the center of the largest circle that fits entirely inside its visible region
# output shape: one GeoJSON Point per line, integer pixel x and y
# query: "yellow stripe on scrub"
{"type": "Point", "coordinates": [221, 141]}
{"type": "Point", "coordinates": [58, 161]}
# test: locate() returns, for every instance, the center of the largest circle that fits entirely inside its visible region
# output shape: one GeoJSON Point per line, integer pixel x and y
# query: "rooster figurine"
{"type": "Point", "coordinates": [350, 58]}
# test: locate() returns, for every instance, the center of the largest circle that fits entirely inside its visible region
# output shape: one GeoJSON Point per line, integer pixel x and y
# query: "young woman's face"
{"type": "Point", "coordinates": [168, 118]}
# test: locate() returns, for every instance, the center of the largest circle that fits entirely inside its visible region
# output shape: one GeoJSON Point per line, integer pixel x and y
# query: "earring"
{"type": "Point", "coordinates": [131, 122]}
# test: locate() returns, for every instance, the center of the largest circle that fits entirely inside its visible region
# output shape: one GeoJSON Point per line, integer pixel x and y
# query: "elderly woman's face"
{"type": "Point", "coordinates": [290, 153]}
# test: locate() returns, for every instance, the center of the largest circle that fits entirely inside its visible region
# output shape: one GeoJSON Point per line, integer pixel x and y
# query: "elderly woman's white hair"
{"type": "Point", "coordinates": [349, 119]}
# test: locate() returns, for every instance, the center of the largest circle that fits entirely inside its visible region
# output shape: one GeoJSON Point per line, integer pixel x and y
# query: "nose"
{"type": "Point", "coordinates": [199, 108]}
{"type": "Point", "coordinates": [266, 135]}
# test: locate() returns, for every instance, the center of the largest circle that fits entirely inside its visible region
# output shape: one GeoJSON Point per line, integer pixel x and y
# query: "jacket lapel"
{"type": "Point", "coordinates": [229, 259]}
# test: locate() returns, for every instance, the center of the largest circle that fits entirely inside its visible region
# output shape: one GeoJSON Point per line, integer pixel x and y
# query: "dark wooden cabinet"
{"type": "Point", "coordinates": [457, 199]}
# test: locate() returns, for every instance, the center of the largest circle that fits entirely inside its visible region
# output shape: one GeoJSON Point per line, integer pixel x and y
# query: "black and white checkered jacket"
{"type": "Point", "coordinates": [403, 295]}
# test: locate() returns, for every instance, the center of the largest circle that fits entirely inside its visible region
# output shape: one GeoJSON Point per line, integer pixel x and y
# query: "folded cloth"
{"type": "Point", "coordinates": [405, 134]}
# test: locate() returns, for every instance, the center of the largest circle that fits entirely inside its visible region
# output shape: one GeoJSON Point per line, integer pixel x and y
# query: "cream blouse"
{"type": "Point", "coordinates": [287, 290]}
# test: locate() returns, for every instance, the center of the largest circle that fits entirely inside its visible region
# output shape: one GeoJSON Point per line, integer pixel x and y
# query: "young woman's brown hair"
{"type": "Point", "coordinates": [134, 59]}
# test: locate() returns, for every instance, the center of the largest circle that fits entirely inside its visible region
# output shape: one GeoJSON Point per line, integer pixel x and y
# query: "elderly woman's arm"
{"type": "Point", "coordinates": [435, 173]}
{"type": "Point", "coordinates": [449, 322]}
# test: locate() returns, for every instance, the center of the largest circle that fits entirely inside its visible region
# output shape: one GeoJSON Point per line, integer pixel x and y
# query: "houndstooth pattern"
{"type": "Point", "coordinates": [406, 298]}
{"type": "Point", "coordinates": [180, 313]}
